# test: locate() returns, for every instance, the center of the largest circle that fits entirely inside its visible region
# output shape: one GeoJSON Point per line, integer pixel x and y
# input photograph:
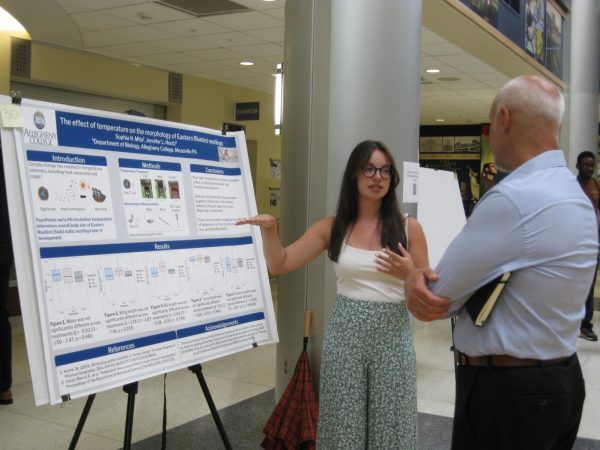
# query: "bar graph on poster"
{"type": "Point", "coordinates": [129, 262]}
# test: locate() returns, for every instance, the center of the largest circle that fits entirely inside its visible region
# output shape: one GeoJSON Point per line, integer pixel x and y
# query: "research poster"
{"type": "Point", "coordinates": [139, 268]}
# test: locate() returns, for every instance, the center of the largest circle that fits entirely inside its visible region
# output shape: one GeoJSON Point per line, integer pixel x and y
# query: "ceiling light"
{"type": "Point", "coordinates": [433, 71]}
{"type": "Point", "coordinates": [440, 120]}
{"type": "Point", "coordinates": [145, 15]}
{"type": "Point", "coordinates": [246, 63]}
{"type": "Point", "coordinates": [269, 0]}
{"type": "Point", "coordinates": [278, 98]}
{"type": "Point", "coordinates": [9, 23]}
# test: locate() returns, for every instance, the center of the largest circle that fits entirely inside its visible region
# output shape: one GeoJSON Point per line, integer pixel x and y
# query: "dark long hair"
{"type": "Point", "coordinates": [391, 220]}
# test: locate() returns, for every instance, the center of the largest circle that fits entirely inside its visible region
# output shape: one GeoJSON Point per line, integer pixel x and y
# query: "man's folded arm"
{"type": "Point", "coordinates": [488, 245]}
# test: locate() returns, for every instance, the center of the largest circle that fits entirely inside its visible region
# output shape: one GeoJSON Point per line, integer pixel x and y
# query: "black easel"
{"type": "Point", "coordinates": [131, 389]}
{"type": "Point", "coordinates": [197, 369]}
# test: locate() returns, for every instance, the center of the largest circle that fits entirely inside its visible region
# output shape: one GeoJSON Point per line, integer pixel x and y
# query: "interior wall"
{"type": "Point", "coordinates": [205, 103]}
{"type": "Point", "coordinates": [5, 44]}
{"type": "Point", "coordinates": [4, 62]}
{"type": "Point", "coordinates": [210, 103]}
{"type": "Point", "coordinates": [97, 74]}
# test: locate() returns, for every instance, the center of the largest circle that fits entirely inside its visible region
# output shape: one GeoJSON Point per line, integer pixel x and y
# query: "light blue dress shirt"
{"type": "Point", "coordinates": [538, 224]}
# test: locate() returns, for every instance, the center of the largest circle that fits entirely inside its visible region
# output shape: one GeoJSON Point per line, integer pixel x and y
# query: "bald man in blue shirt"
{"type": "Point", "coordinates": [518, 380]}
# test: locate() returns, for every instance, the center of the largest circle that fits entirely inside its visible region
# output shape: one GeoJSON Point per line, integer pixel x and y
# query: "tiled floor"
{"type": "Point", "coordinates": [435, 374]}
{"type": "Point", "coordinates": [231, 380]}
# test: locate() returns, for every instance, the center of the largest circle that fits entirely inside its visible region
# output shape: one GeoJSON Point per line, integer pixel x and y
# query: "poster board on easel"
{"type": "Point", "coordinates": [440, 210]}
{"type": "Point", "coordinates": [128, 261]}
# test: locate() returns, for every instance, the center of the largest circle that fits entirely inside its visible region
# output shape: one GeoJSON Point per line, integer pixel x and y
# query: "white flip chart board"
{"type": "Point", "coordinates": [440, 210]}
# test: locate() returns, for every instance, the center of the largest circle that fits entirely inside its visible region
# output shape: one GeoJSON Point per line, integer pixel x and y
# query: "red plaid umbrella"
{"type": "Point", "coordinates": [293, 424]}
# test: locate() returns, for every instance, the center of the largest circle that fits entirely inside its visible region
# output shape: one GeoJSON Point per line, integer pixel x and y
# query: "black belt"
{"type": "Point", "coordinates": [504, 361]}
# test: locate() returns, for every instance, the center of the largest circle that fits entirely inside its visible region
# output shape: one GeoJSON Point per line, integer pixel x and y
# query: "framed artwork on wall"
{"type": "Point", "coordinates": [430, 144]}
{"type": "Point", "coordinates": [467, 144]}
{"type": "Point", "coordinates": [534, 28]}
{"type": "Point", "coordinates": [448, 144]}
{"type": "Point", "coordinates": [554, 40]}
{"type": "Point", "coordinates": [487, 9]}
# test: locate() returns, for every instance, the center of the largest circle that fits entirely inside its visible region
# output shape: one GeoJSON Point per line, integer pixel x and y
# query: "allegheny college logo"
{"type": "Point", "coordinates": [39, 120]}
{"type": "Point", "coordinates": [37, 135]}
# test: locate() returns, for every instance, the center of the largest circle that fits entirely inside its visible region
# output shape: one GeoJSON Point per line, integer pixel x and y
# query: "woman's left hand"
{"type": "Point", "coordinates": [399, 266]}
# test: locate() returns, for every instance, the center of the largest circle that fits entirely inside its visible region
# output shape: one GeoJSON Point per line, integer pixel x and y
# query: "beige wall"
{"type": "Point", "coordinates": [5, 37]}
{"type": "Point", "coordinates": [97, 74]}
{"type": "Point", "coordinates": [209, 103]}
{"type": "Point", "coordinates": [205, 103]}
{"type": "Point", "coordinates": [4, 63]}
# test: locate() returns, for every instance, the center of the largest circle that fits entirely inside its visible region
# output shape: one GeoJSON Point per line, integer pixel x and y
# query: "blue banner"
{"type": "Point", "coordinates": [214, 326]}
{"type": "Point", "coordinates": [152, 165]}
{"type": "Point", "coordinates": [197, 168]}
{"type": "Point", "coordinates": [132, 247]}
{"type": "Point", "coordinates": [105, 350]}
{"type": "Point", "coordinates": [101, 133]}
{"type": "Point", "coordinates": [65, 158]}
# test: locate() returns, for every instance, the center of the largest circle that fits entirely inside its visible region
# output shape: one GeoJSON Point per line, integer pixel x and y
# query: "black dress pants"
{"type": "Point", "coordinates": [532, 408]}
{"type": "Point", "coordinates": [5, 331]}
{"type": "Point", "coordinates": [586, 323]}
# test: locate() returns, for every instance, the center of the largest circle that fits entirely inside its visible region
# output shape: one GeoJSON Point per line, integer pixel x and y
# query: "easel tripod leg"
{"type": "Point", "coordinates": [131, 389]}
{"type": "Point", "coordinates": [197, 369]}
{"type": "Point", "coordinates": [82, 419]}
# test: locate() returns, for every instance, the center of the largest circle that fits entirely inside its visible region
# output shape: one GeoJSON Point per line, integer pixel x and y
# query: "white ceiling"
{"type": "Point", "coordinates": [151, 34]}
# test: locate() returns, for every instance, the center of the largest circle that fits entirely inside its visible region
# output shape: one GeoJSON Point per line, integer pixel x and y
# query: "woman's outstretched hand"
{"type": "Point", "coordinates": [265, 221]}
{"type": "Point", "coordinates": [399, 266]}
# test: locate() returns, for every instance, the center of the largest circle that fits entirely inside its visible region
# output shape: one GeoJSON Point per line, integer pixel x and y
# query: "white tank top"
{"type": "Point", "coordinates": [357, 277]}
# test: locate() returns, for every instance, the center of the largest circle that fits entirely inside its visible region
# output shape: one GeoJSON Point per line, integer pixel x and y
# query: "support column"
{"type": "Point", "coordinates": [351, 72]}
{"type": "Point", "coordinates": [584, 78]}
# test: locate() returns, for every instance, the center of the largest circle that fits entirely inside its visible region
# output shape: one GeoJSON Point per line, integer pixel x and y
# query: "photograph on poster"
{"type": "Point", "coordinates": [534, 28]}
{"type": "Point", "coordinates": [146, 187]}
{"type": "Point", "coordinates": [553, 40]}
{"type": "Point", "coordinates": [174, 189]}
{"type": "Point", "coordinates": [160, 188]}
{"type": "Point", "coordinates": [228, 155]}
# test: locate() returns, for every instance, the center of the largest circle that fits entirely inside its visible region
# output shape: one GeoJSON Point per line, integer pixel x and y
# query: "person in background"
{"type": "Point", "coordinates": [488, 177]}
{"type": "Point", "coordinates": [586, 165]}
{"type": "Point", "coordinates": [474, 180]}
{"type": "Point", "coordinates": [519, 384]}
{"type": "Point", "coordinates": [5, 266]}
{"type": "Point", "coordinates": [368, 373]}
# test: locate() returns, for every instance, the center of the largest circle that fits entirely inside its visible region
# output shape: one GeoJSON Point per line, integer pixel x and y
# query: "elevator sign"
{"type": "Point", "coordinates": [247, 111]}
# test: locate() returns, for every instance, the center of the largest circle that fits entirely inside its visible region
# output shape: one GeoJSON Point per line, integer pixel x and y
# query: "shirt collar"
{"type": "Point", "coordinates": [545, 160]}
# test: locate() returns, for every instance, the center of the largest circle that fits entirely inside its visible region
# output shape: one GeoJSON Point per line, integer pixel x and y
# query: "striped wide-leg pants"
{"type": "Point", "coordinates": [368, 397]}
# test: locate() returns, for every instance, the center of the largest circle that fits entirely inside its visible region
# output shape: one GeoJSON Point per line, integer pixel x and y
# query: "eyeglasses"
{"type": "Point", "coordinates": [370, 171]}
